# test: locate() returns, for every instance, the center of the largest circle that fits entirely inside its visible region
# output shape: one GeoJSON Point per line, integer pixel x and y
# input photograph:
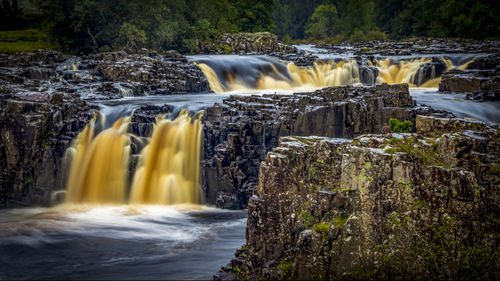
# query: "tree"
{"type": "Point", "coordinates": [360, 15]}
{"type": "Point", "coordinates": [321, 24]}
{"type": "Point", "coordinates": [254, 15]}
{"type": "Point", "coordinates": [131, 37]}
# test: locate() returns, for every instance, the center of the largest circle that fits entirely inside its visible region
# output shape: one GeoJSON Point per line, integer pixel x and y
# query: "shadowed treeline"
{"type": "Point", "coordinates": [186, 25]}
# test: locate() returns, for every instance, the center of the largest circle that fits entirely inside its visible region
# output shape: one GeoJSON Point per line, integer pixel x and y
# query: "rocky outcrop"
{"type": "Point", "coordinates": [102, 76]}
{"type": "Point", "coordinates": [413, 46]}
{"type": "Point", "coordinates": [240, 132]}
{"type": "Point", "coordinates": [459, 81]}
{"type": "Point", "coordinates": [150, 73]}
{"type": "Point", "coordinates": [392, 206]}
{"type": "Point", "coordinates": [42, 109]}
{"type": "Point", "coordinates": [429, 70]}
{"type": "Point", "coordinates": [236, 43]}
{"type": "Point", "coordinates": [481, 79]}
{"type": "Point", "coordinates": [36, 128]}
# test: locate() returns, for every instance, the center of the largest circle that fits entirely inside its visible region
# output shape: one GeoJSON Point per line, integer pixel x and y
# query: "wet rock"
{"type": "Point", "coordinates": [102, 76]}
{"type": "Point", "coordinates": [459, 81]}
{"type": "Point", "coordinates": [36, 130]}
{"type": "Point", "coordinates": [300, 58]}
{"type": "Point", "coordinates": [481, 79]}
{"type": "Point", "coordinates": [412, 47]}
{"type": "Point", "coordinates": [407, 201]}
{"type": "Point", "coordinates": [144, 118]}
{"type": "Point", "coordinates": [430, 70]}
{"type": "Point", "coordinates": [486, 63]}
{"type": "Point", "coordinates": [237, 43]}
{"type": "Point", "coordinates": [157, 74]}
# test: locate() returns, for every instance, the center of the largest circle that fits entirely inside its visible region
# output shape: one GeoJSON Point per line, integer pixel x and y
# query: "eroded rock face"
{"type": "Point", "coordinates": [240, 132]}
{"type": "Point", "coordinates": [422, 205]}
{"type": "Point", "coordinates": [481, 79]}
{"type": "Point", "coordinates": [36, 128]}
{"type": "Point", "coordinates": [258, 42]}
{"type": "Point", "coordinates": [413, 46]}
{"type": "Point", "coordinates": [102, 76]}
{"type": "Point", "coordinates": [151, 73]}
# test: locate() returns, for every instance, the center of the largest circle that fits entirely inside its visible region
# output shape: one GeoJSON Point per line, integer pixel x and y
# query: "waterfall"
{"type": "Point", "coordinates": [227, 73]}
{"type": "Point", "coordinates": [169, 167]}
{"type": "Point", "coordinates": [167, 172]}
{"type": "Point", "coordinates": [99, 165]}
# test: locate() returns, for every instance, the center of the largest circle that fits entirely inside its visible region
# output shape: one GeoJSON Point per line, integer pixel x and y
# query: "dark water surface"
{"type": "Point", "coordinates": [118, 242]}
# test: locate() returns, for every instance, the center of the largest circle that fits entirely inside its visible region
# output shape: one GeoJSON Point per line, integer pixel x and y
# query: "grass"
{"type": "Point", "coordinates": [28, 40]}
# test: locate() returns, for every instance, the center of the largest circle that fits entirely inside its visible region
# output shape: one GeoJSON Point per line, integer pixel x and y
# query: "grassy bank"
{"type": "Point", "coordinates": [13, 41]}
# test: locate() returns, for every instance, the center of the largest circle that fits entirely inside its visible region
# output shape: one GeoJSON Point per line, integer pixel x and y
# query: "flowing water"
{"type": "Point", "coordinates": [169, 168]}
{"type": "Point", "coordinates": [488, 112]}
{"type": "Point", "coordinates": [113, 229]}
{"type": "Point", "coordinates": [118, 242]}
{"type": "Point", "coordinates": [227, 73]}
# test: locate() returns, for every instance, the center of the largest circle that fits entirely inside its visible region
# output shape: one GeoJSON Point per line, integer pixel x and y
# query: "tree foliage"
{"type": "Point", "coordinates": [185, 25]}
{"type": "Point", "coordinates": [322, 22]}
{"type": "Point", "coordinates": [360, 20]}
{"type": "Point", "coordinates": [93, 25]}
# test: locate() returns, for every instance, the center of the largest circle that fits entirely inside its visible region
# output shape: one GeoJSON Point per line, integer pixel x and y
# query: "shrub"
{"type": "Point", "coordinates": [321, 227]}
{"type": "Point", "coordinates": [400, 127]}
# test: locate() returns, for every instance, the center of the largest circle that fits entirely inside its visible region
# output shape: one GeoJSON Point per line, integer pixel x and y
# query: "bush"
{"type": "Point", "coordinates": [358, 36]}
{"type": "Point", "coordinates": [131, 36]}
{"type": "Point", "coordinates": [376, 35]}
{"type": "Point", "coordinates": [400, 127]}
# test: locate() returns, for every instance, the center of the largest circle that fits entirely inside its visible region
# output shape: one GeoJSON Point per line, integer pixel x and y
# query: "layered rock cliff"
{"type": "Point", "coordinates": [392, 206]}
{"type": "Point", "coordinates": [36, 128]}
{"type": "Point", "coordinates": [240, 132]}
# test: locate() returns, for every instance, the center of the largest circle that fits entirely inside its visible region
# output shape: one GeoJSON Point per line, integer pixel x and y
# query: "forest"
{"type": "Point", "coordinates": [84, 26]}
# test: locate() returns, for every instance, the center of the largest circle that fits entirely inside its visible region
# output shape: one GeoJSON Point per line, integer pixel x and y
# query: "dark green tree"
{"type": "Point", "coordinates": [10, 15]}
{"type": "Point", "coordinates": [322, 22]}
{"type": "Point", "coordinates": [254, 15]}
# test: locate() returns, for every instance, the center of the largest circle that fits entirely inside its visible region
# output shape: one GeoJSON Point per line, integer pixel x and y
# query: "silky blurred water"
{"type": "Point", "coordinates": [118, 242]}
{"type": "Point", "coordinates": [488, 111]}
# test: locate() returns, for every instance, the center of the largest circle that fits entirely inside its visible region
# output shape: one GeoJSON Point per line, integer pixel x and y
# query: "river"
{"type": "Point", "coordinates": [153, 241]}
{"type": "Point", "coordinates": [118, 242]}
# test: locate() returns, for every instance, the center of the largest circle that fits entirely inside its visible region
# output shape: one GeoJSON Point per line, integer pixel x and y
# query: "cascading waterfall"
{"type": "Point", "coordinates": [322, 74]}
{"type": "Point", "coordinates": [168, 171]}
{"type": "Point", "coordinates": [225, 76]}
{"type": "Point", "coordinates": [99, 165]}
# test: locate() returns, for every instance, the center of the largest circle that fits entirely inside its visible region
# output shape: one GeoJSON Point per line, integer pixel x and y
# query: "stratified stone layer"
{"type": "Point", "coordinates": [411, 206]}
